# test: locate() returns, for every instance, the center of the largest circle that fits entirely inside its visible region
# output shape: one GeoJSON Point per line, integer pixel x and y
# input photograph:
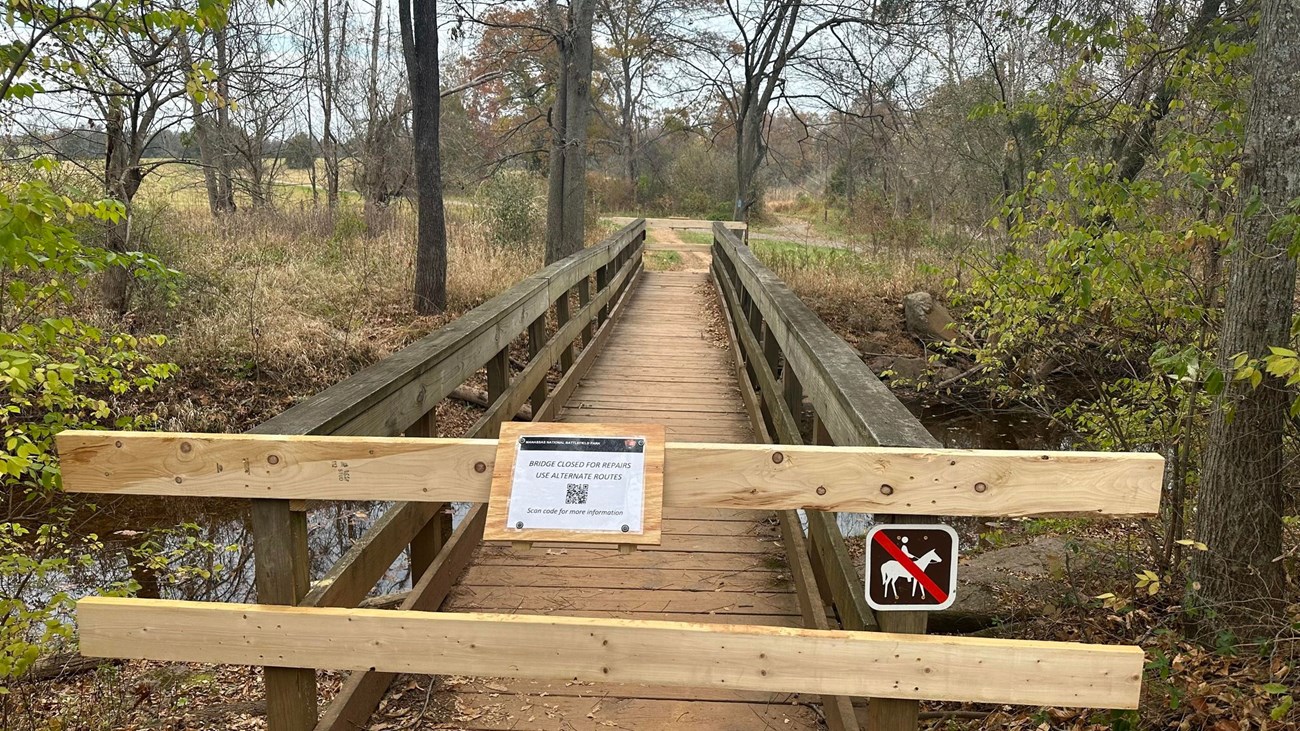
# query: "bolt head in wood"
{"type": "Point", "coordinates": [980, 487]}
{"type": "Point", "coordinates": [886, 490]}
{"type": "Point", "coordinates": [273, 459]}
{"type": "Point", "coordinates": [821, 489]}
{"type": "Point", "coordinates": [778, 458]}
{"type": "Point", "coordinates": [186, 447]}
{"type": "Point", "coordinates": [479, 467]}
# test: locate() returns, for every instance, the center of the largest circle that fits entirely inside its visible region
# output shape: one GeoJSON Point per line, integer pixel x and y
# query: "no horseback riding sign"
{"type": "Point", "coordinates": [911, 567]}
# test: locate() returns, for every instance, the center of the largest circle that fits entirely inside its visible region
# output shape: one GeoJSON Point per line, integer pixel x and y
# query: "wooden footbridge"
{"type": "Point", "coordinates": [748, 615]}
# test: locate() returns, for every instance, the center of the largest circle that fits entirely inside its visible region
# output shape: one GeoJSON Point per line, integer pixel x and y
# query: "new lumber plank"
{"type": "Point", "coordinates": [921, 481]}
{"type": "Point", "coordinates": [774, 659]}
{"type": "Point", "coordinates": [495, 711]}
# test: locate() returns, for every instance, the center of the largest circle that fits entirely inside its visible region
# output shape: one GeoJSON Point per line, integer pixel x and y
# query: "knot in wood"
{"type": "Point", "coordinates": [886, 490]}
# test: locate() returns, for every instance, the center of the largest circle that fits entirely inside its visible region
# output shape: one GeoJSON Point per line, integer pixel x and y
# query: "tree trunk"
{"type": "Point", "coordinates": [202, 134]}
{"type": "Point", "coordinates": [419, 24]}
{"type": "Point", "coordinates": [1239, 581]}
{"type": "Point", "coordinates": [225, 151]}
{"type": "Point", "coordinates": [628, 118]}
{"type": "Point", "coordinates": [373, 153]}
{"type": "Point", "coordinates": [116, 282]}
{"type": "Point", "coordinates": [328, 147]}
{"type": "Point", "coordinates": [567, 184]}
{"type": "Point", "coordinates": [122, 178]}
{"type": "Point", "coordinates": [749, 156]}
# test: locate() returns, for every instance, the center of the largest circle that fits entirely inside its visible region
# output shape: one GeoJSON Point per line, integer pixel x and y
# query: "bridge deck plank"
{"type": "Point", "coordinates": [662, 365]}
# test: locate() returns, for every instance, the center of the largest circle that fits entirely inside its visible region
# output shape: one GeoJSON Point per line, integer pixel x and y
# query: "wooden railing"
{"type": "Point", "coordinates": [399, 395]}
{"type": "Point", "coordinates": [784, 355]}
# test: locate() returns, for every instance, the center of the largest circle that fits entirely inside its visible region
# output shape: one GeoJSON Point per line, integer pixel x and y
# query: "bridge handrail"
{"type": "Point", "coordinates": [399, 394]}
{"type": "Point", "coordinates": [776, 333]}
{"type": "Point", "coordinates": [378, 400]}
{"type": "Point", "coordinates": [855, 408]}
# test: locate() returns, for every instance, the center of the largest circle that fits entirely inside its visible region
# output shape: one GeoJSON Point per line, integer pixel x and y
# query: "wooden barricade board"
{"type": "Point", "coordinates": [953, 482]}
{"type": "Point", "coordinates": [650, 652]}
{"type": "Point", "coordinates": [683, 475]}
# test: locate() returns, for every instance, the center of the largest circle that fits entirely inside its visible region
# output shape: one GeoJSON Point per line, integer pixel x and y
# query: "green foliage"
{"type": "Point", "coordinates": [510, 199]}
{"type": "Point", "coordinates": [24, 62]}
{"type": "Point", "coordinates": [1112, 279]}
{"type": "Point", "coordinates": [299, 152]}
{"type": "Point", "coordinates": [58, 371]}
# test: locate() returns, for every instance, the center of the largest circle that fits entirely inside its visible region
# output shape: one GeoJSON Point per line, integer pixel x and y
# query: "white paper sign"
{"type": "Point", "coordinates": [578, 483]}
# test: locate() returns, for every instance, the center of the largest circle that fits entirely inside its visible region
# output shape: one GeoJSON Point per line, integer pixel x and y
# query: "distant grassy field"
{"type": "Point", "coordinates": [277, 303]}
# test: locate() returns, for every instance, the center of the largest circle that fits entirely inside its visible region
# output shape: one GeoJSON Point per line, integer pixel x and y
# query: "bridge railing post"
{"type": "Point", "coordinates": [282, 576]}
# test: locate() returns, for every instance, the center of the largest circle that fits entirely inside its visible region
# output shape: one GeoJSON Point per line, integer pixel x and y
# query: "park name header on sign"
{"type": "Point", "coordinates": [582, 483]}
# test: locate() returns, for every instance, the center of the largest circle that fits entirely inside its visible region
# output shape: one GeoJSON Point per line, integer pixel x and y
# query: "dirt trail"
{"type": "Point", "coordinates": [695, 257]}
{"type": "Point", "coordinates": [790, 228]}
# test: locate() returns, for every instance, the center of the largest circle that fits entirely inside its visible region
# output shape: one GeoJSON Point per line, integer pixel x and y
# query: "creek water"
{"type": "Point", "coordinates": [128, 524]}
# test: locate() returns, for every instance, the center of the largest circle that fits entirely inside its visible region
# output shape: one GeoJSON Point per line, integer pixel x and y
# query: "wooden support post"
{"type": "Point", "coordinates": [282, 577]}
{"type": "Point", "coordinates": [791, 392]}
{"type": "Point", "coordinates": [584, 297]}
{"type": "Point", "coordinates": [772, 402]}
{"type": "Point", "coordinates": [755, 316]}
{"type": "Point", "coordinates": [602, 281]}
{"type": "Point", "coordinates": [896, 714]}
{"type": "Point", "coordinates": [561, 317]}
{"type": "Point", "coordinates": [537, 343]}
{"type": "Point", "coordinates": [498, 381]}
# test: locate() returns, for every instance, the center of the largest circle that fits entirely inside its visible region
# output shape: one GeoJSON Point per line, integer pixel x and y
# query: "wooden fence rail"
{"type": "Point", "coordinates": [398, 395]}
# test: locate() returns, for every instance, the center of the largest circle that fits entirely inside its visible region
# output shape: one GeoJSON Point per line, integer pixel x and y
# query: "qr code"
{"type": "Point", "coordinates": [575, 495]}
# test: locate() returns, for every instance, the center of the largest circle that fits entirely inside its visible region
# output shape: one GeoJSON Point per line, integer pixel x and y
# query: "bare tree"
{"type": "Point", "coordinates": [329, 55]}
{"type": "Point", "coordinates": [566, 191]}
{"type": "Point", "coordinates": [263, 85]}
{"type": "Point", "coordinates": [640, 37]}
{"type": "Point", "coordinates": [134, 82]}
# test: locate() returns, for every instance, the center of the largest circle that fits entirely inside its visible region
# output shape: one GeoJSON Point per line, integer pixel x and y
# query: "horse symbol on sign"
{"type": "Point", "coordinates": [930, 577]}
{"type": "Point", "coordinates": [892, 571]}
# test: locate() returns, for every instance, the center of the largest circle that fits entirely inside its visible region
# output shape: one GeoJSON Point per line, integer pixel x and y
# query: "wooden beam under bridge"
{"type": "Point", "coordinates": [899, 481]}
{"type": "Point", "coordinates": [683, 654]}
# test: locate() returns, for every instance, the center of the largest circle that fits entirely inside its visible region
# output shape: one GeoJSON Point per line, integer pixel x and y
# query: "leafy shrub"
{"type": "Point", "coordinates": [509, 200]}
{"type": "Point", "coordinates": [57, 371]}
{"type": "Point", "coordinates": [701, 183]}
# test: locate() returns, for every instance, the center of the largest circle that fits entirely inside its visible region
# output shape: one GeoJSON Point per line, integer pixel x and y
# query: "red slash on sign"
{"type": "Point", "coordinates": [884, 542]}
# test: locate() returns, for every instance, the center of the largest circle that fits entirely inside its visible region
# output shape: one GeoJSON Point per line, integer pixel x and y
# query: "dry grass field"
{"type": "Point", "coordinates": [276, 303]}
